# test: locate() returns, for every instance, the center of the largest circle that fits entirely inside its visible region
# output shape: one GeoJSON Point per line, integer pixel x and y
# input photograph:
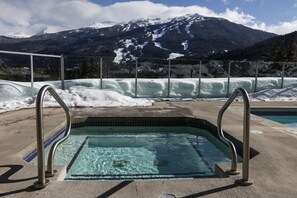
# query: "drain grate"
{"type": "Point", "coordinates": [119, 163]}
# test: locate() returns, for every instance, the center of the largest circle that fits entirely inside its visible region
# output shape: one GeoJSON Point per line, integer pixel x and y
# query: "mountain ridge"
{"type": "Point", "coordinates": [279, 48]}
{"type": "Point", "coordinates": [191, 35]}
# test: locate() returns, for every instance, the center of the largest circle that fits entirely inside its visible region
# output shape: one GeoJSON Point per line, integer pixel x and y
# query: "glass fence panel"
{"type": "Point", "coordinates": [153, 78]}
{"type": "Point", "coordinates": [121, 76]}
{"type": "Point", "coordinates": [267, 73]}
{"type": "Point", "coordinates": [184, 81]}
{"type": "Point", "coordinates": [15, 67]}
{"type": "Point", "coordinates": [46, 68]}
{"type": "Point", "coordinates": [290, 74]}
{"type": "Point", "coordinates": [80, 67]}
{"type": "Point", "coordinates": [214, 78]}
{"type": "Point", "coordinates": [242, 74]}
{"type": "Point", "coordinates": [104, 72]}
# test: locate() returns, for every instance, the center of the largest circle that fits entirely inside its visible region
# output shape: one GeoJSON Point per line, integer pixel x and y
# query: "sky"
{"type": "Point", "coordinates": [30, 17]}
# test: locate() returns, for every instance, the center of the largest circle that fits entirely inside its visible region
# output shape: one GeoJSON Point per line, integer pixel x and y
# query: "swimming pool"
{"type": "Point", "coordinates": [140, 152]}
{"type": "Point", "coordinates": [287, 117]}
{"type": "Point", "coordinates": [289, 120]}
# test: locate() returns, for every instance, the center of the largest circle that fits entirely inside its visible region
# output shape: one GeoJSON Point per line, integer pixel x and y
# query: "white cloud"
{"type": "Point", "coordinates": [237, 16]}
{"type": "Point", "coordinates": [281, 28]}
{"type": "Point", "coordinates": [32, 16]}
{"type": "Point", "coordinates": [28, 17]}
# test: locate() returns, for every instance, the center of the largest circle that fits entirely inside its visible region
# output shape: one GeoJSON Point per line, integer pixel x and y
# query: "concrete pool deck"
{"type": "Point", "coordinates": [273, 169]}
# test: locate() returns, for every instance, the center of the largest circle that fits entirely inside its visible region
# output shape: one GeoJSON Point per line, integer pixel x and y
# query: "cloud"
{"type": "Point", "coordinates": [237, 16]}
{"type": "Point", "coordinates": [281, 28]}
{"type": "Point", "coordinates": [29, 17]}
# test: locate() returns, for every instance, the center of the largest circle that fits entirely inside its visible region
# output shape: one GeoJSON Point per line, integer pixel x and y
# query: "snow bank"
{"type": "Point", "coordinates": [180, 87]}
{"type": "Point", "coordinates": [121, 92]}
{"type": "Point", "coordinates": [285, 94]}
{"type": "Point", "coordinates": [20, 96]}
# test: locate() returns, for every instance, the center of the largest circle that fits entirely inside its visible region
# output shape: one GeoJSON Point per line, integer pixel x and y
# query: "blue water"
{"type": "Point", "coordinates": [152, 152]}
{"type": "Point", "coordinates": [289, 120]}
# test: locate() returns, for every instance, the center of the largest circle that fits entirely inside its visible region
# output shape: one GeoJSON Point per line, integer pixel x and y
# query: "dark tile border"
{"type": "Point", "coordinates": [274, 111]}
{"type": "Point", "coordinates": [137, 121]}
{"type": "Point", "coordinates": [33, 154]}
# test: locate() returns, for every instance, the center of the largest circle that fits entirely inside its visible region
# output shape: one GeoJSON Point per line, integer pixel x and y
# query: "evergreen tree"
{"type": "Point", "coordinates": [84, 69]}
{"type": "Point", "coordinates": [93, 69]}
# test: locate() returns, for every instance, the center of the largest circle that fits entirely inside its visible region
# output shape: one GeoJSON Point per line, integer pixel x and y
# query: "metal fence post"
{"type": "Point", "coordinates": [283, 75]}
{"type": "Point", "coordinates": [101, 64]}
{"type": "Point", "coordinates": [169, 70]}
{"type": "Point", "coordinates": [256, 76]}
{"type": "Point", "coordinates": [199, 87]}
{"type": "Point", "coordinates": [136, 68]}
{"type": "Point", "coordinates": [32, 73]}
{"type": "Point", "coordinates": [228, 84]}
{"type": "Point", "coordinates": [62, 73]}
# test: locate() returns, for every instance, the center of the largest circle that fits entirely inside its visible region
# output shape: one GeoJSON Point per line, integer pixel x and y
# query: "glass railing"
{"type": "Point", "coordinates": [153, 78]}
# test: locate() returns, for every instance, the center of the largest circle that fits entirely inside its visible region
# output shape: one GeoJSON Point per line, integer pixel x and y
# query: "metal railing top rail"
{"type": "Point", "coordinates": [61, 57]}
{"type": "Point", "coordinates": [246, 136]}
{"type": "Point", "coordinates": [140, 59]}
{"type": "Point", "coordinates": [42, 182]}
{"type": "Point", "coordinates": [30, 54]}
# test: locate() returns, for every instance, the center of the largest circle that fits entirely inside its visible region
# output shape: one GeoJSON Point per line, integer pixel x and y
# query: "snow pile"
{"type": "Point", "coordinates": [120, 92]}
{"type": "Point", "coordinates": [284, 94]}
{"type": "Point", "coordinates": [19, 96]}
{"type": "Point", "coordinates": [90, 97]}
{"type": "Point", "coordinates": [179, 87]}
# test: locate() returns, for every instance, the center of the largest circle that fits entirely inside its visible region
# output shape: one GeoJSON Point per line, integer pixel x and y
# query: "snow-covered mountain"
{"type": "Point", "coordinates": [185, 36]}
{"type": "Point", "coordinates": [104, 24]}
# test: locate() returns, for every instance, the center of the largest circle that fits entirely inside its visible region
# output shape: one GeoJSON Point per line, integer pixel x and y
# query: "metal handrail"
{"type": "Point", "coordinates": [246, 136]}
{"type": "Point", "coordinates": [42, 182]}
{"type": "Point", "coordinates": [11, 86]}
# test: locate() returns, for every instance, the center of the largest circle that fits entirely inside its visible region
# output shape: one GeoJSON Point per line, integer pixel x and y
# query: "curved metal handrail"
{"type": "Point", "coordinates": [246, 136]}
{"type": "Point", "coordinates": [11, 86]}
{"type": "Point", "coordinates": [42, 182]}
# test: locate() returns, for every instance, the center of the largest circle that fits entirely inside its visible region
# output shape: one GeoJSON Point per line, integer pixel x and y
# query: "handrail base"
{"type": "Point", "coordinates": [39, 185]}
{"type": "Point", "coordinates": [50, 174]}
{"type": "Point", "coordinates": [242, 182]}
{"type": "Point", "coordinates": [233, 172]}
